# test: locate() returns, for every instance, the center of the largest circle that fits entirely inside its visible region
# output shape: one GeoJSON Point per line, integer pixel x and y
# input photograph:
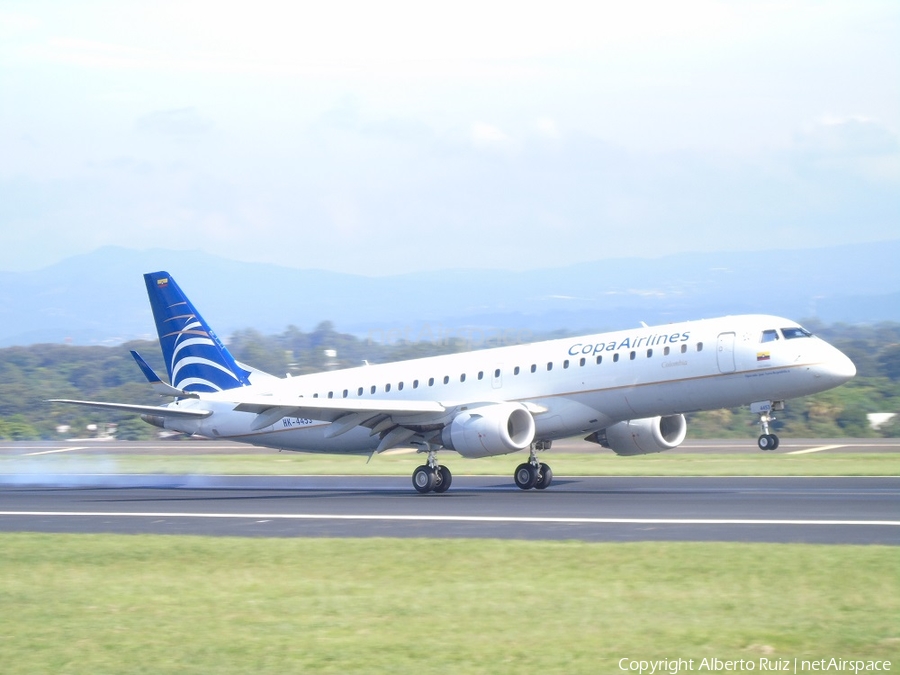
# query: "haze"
{"type": "Point", "coordinates": [398, 136]}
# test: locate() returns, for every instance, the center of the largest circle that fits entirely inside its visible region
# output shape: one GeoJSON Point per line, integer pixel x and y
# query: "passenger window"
{"type": "Point", "coordinates": [480, 374]}
{"type": "Point", "coordinates": [666, 351]}
{"type": "Point", "coordinates": [446, 379]}
{"type": "Point", "coordinates": [400, 387]}
{"type": "Point", "coordinates": [373, 388]}
{"type": "Point", "coordinates": [684, 349]}
{"type": "Point", "coordinates": [533, 368]}
{"type": "Point", "coordinates": [699, 346]}
{"type": "Point", "coordinates": [566, 363]}
{"type": "Point", "coordinates": [330, 394]}
{"type": "Point", "coordinates": [359, 391]}
{"type": "Point", "coordinates": [462, 378]}
{"type": "Point", "coordinates": [599, 360]}
{"type": "Point", "coordinates": [516, 370]}
{"type": "Point", "coordinates": [649, 353]}
{"type": "Point", "coordinates": [430, 381]}
{"type": "Point", "coordinates": [415, 384]}
{"type": "Point", "coordinates": [615, 358]}
{"type": "Point", "coordinates": [769, 336]}
{"type": "Point", "coordinates": [345, 393]}
{"type": "Point", "coordinates": [632, 355]}
{"type": "Point", "coordinates": [387, 387]}
{"type": "Point", "coordinates": [497, 372]}
{"type": "Point", "coordinates": [582, 362]}
{"type": "Point", "coordinates": [550, 365]}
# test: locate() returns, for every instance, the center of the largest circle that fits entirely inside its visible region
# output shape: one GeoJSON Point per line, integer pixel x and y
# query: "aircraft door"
{"type": "Point", "coordinates": [725, 352]}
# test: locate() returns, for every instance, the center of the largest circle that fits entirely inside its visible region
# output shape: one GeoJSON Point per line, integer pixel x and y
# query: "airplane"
{"type": "Point", "coordinates": [627, 391]}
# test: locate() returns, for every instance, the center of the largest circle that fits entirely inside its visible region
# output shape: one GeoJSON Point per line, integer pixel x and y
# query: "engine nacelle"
{"type": "Point", "coordinates": [643, 436]}
{"type": "Point", "coordinates": [496, 429]}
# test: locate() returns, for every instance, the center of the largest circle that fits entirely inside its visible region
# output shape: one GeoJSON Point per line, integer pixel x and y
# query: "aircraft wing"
{"type": "Point", "coordinates": [330, 408]}
{"type": "Point", "coordinates": [345, 413]}
{"type": "Point", "coordinates": [260, 404]}
{"type": "Point", "coordinates": [388, 416]}
{"type": "Point", "coordinates": [162, 411]}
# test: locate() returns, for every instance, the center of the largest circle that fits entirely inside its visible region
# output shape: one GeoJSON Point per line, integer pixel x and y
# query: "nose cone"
{"type": "Point", "coordinates": [840, 367]}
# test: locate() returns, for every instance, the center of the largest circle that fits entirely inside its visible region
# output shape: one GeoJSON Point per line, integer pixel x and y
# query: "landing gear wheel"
{"type": "Point", "coordinates": [443, 479]}
{"type": "Point", "coordinates": [423, 479]}
{"type": "Point", "coordinates": [526, 476]}
{"type": "Point", "coordinates": [545, 477]}
{"type": "Point", "coordinates": [767, 442]}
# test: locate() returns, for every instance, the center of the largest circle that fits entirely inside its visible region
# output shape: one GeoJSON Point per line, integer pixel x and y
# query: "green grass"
{"type": "Point", "coordinates": [580, 464]}
{"type": "Point", "coordinates": [153, 604]}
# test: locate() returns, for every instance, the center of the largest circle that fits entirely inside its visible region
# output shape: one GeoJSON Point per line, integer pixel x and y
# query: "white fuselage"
{"type": "Point", "coordinates": [573, 386]}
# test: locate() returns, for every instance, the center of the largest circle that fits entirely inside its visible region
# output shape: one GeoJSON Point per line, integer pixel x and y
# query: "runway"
{"type": "Point", "coordinates": [842, 510]}
{"type": "Point", "coordinates": [93, 446]}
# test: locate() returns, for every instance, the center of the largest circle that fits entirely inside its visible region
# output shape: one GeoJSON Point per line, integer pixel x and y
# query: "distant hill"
{"type": "Point", "coordinates": [99, 298]}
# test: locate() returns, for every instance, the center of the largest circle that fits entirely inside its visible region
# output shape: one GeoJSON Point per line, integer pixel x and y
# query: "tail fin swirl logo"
{"type": "Point", "coordinates": [196, 360]}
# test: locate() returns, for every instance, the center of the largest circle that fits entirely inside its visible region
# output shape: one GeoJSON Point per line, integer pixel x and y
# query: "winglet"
{"type": "Point", "coordinates": [155, 380]}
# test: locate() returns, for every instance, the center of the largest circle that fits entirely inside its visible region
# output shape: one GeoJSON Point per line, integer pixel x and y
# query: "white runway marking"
{"type": "Point", "coordinates": [821, 448]}
{"type": "Point", "coordinates": [454, 519]}
{"type": "Point", "coordinates": [51, 452]}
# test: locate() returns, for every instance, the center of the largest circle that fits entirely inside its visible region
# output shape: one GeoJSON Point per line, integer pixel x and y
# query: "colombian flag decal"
{"type": "Point", "coordinates": [162, 282]}
{"type": "Point", "coordinates": [762, 356]}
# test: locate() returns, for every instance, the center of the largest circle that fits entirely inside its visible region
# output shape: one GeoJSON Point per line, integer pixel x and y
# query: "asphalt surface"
{"type": "Point", "coordinates": [851, 510]}
{"type": "Point", "coordinates": [88, 446]}
{"type": "Point", "coordinates": [845, 510]}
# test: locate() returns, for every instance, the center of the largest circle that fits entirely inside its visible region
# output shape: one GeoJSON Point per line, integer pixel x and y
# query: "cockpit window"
{"type": "Point", "coordinates": [795, 332]}
{"type": "Point", "coordinates": [769, 335]}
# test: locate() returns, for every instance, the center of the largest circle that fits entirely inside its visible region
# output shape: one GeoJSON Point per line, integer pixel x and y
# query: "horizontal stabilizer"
{"type": "Point", "coordinates": [161, 411]}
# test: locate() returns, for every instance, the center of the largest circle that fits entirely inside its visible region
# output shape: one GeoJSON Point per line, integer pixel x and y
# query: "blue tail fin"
{"type": "Point", "coordinates": [196, 359]}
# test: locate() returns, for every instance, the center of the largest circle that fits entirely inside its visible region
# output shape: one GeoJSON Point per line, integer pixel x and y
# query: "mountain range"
{"type": "Point", "coordinates": [99, 297]}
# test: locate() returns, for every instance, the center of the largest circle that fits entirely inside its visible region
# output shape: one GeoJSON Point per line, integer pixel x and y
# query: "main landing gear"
{"type": "Point", "coordinates": [534, 474]}
{"type": "Point", "coordinates": [431, 476]}
{"type": "Point", "coordinates": [766, 441]}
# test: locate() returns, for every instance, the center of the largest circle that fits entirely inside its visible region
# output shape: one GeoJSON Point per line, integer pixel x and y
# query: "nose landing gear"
{"type": "Point", "coordinates": [766, 441]}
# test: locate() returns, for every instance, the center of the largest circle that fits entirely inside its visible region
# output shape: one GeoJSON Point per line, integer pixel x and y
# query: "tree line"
{"type": "Point", "coordinates": [30, 375]}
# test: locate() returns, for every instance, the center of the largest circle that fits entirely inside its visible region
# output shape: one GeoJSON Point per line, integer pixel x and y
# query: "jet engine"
{"type": "Point", "coordinates": [642, 436]}
{"type": "Point", "coordinates": [496, 429]}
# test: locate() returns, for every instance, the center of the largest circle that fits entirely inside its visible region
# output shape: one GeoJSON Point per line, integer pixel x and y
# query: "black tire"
{"type": "Point", "coordinates": [423, 479]}
{"type": "Point", "coordinates": [544, 478]}
{"type": "Point", "coordinates": [774, 441]}
{"type": "Point", "coordinates": [446, 478]}
{"type": "Point", "coordinates": [764, 442]}
{"type": "Point", "coordinates": [525, 476]}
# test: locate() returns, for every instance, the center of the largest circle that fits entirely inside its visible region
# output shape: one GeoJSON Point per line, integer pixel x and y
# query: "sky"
{"type": "Point", "coordinates": [388, 137]}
